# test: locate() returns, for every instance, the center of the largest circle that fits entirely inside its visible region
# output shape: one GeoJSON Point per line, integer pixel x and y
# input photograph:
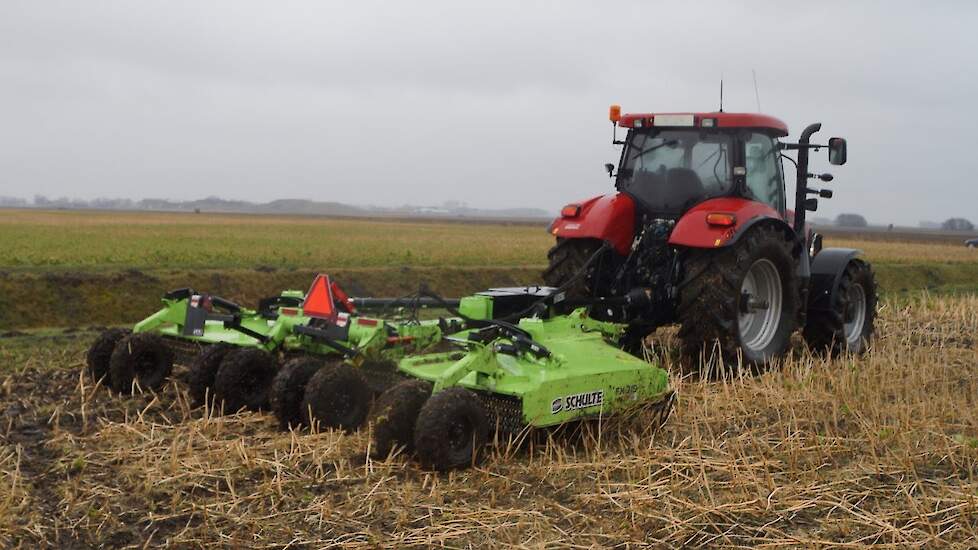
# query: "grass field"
{"type": "Point", "coordinates": [110, 240]}
{"type": "Point", "coordinates": [66, 268]}
{"type": "Point", "coordinates": [877, 451]}
{"type": "Point", "coordinates": [101, 241]}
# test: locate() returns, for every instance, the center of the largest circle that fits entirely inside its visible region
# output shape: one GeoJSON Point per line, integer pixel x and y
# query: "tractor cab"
{"type": "Point", "coordinates": [671, 162]}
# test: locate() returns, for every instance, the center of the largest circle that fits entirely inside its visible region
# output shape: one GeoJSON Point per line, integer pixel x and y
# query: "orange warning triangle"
{"type": "Point", "coordinates": [319, 299]}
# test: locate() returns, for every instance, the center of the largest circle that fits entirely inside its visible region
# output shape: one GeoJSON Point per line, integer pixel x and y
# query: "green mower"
{"type": "Point", "coordinates": [240, 358]}
{"type": "Point", "coordinates": [504, 361]}
{"type": "Point", "coordinates": [506, 378]}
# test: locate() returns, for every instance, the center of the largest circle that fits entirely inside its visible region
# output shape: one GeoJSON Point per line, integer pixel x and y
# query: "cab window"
{"type": "Point", "coordinates": [668, 170]}
{"type": "Point", "coordinates": [764, 181]}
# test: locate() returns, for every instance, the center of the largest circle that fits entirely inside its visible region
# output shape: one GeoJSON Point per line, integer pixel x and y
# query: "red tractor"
{"type": "Point", "coordinates": [700, 233]}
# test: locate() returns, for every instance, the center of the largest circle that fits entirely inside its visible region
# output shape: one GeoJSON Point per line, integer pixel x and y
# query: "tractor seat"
{"type": "Point", "coordinates": [670, 191]}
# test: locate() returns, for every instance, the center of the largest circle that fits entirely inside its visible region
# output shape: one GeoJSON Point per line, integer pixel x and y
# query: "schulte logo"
{"type": "Point", "coordinates": [577, 401]}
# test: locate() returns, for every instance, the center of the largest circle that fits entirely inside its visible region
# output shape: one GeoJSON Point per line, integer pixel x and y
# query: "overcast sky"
{"type": "Point", "coordinates": [498, 104]}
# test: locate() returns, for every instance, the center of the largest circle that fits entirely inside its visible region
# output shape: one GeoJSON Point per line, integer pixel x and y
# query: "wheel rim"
{"type": "Point", "coordinates": [459, 435]}
{"type": "Point", "coordinates": [760, 308]}
{"type": "Point", "coordinates": [343, 407]}
{"type": "Point", "coordinates": [146, 368]}
{"type": "Point", "coordinates": [253, 384]}
{"type": "Point", "coordinates": [855, 318]}
{"type": "Point", "coordinates": [144, 364]}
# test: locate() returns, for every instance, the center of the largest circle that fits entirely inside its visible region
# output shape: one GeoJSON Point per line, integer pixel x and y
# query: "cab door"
{"type": "Point", "coordinates": [764, 180]}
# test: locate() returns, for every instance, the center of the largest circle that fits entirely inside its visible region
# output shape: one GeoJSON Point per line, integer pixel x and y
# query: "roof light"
{"type": "Point", "coordinates": [708, 122]}
{"type": "Point", "coordinates": [570, 211]}
{"type": "Point", "coordinates": [721, 219]}
{"type": "Point", "coordinates": [673, 120]}
{"type": "Point", "coordinates": [614, 113]}
{"type": "Point", "coordinates": [637, 123]}
{"type": "Point", "coordinates": [739, 171]}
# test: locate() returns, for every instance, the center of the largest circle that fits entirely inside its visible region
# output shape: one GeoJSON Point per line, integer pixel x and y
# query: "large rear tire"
{"type": "Point", "coordinates": [142, 358]}
{"type": "Point", "coordinates": [452, 430]}
{"type": "Point", "coordinates": [849, 326]}
{"type": "Point", "coordinates": [100, 353]}
{"type": "Point", "coordinates": [394, 415]}
{"type": "Point", "coordinates": [567, 258]}
{"type": "Point", "coordinates": [243, 379]}
{"type": "Point", "coordinates": [742, 300]}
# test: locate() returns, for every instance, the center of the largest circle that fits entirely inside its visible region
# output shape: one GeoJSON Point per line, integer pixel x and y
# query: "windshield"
{"type": "Point", "coordinates": [670, 170]}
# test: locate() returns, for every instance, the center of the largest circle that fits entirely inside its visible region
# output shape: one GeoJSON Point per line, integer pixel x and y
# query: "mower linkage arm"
{"type": "Point", "coordinates": [233, 322]}
{"type": "Point", "coordinates": [522, 342]}
{"type": "Point", "coordinates": [381, 303]}
{"type": "Point", "coordinates": [324, 336]}
{"type": "Point", "coordinates": [636, 299]}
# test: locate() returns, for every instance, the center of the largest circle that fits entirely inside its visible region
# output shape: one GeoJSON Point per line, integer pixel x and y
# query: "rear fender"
{"type": "Point", "coordinates": [610, 218]}
{"type": "Point", "coordinates": [827, 269]}
{"type": "Point", "coordinates": [692, 230]}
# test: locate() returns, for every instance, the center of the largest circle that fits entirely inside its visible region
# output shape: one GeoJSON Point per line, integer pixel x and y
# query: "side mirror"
{"type": "Point", "coordinates": [610, 168]}
{"type": "Point", "coordinates": [837, 150]}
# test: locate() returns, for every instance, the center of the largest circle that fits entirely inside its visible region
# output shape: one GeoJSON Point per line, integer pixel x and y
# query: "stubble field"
{"type": "Point", "coordinates": [876, 451]}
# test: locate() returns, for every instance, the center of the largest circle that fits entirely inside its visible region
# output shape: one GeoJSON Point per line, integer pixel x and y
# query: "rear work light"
{"type": "Point", "coordinates": [721, 219]}
{"type": "Point", "coordinates": [570, 211]}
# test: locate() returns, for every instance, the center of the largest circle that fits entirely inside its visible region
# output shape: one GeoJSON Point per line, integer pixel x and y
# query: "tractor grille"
{"type": "Point", "coordinates": [183, 351]}
{"type": "Point", "coordinates": [505, 414]}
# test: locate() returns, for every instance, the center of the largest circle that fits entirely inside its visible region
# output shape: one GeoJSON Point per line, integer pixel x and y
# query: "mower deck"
{"type": "Point", "coordinates": [578, 374]}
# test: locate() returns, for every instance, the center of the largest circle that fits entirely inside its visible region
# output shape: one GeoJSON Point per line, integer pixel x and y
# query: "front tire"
{"type": "Point", "coordinates": [243, 379]}
{"type": "Point", "coordinates": [142, 358]}
{"type": "Point", "coordinates": [394, 415]}
{"type": "Point", "coordinates": [337, 396]}
{"type": "Point", "coordinates": [100, 353]}
{"type": "Point", "coordinates": [288, 389]}
{"type": "Point", "coordinates": [452, 430]}
{"type": "Point", "coordinates": [849, 325]}
{"type": "Point", "coordinates": [203, 370]}
{"type": "Point", "coordinates": [742, 299]}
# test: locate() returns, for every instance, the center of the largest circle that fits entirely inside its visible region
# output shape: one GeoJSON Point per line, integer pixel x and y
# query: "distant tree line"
{"type": "Point", "coordinates": [950, 224]}
{"type": "Point", "coordinates": [280, 206]}
{"type": "Point", "coordinates": [957, 224]}
{"type": "Point", "coordinates": [850, 220]}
